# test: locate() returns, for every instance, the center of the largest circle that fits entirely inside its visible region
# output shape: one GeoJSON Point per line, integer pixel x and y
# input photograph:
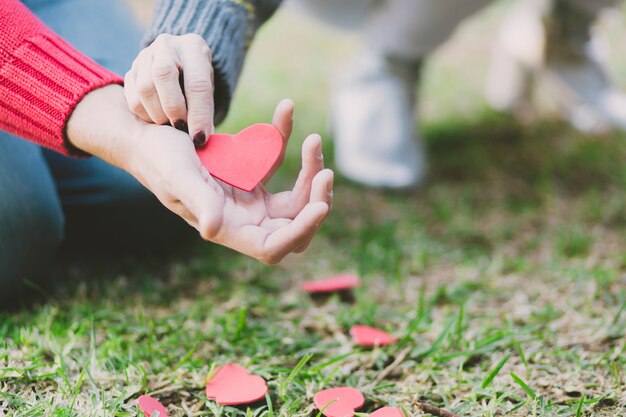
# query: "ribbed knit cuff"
{"type": "Point", "coordinates": [227, 26]}
{"type": "Point", "coordinates": [43, 81]}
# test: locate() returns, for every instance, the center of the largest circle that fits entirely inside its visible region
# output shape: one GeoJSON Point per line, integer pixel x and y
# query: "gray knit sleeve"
{"type": "Point", "coordinates": [228, 26]}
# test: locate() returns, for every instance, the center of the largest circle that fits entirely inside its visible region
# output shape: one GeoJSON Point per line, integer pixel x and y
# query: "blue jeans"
{"type": "Point", "coordinates": [47, 198]}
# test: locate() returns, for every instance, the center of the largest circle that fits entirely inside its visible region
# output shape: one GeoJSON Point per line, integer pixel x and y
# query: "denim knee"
{"type": "Point", "coordinates": [31, 231]}
{"type": "Point", "coordinates": [31, 218]}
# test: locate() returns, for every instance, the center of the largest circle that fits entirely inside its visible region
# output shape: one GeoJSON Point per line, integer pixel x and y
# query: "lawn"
{"type": "Point", "coordinates": [504, 276]}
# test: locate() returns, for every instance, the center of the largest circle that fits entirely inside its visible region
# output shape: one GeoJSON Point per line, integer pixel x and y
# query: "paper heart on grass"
{"type": "Point", "coordinates": [370, 336]}
{"type": "Point", "coordinates": [233, 385]}
{"type": "Point", "coordinates": [339, 402]}
{"type": "Point", "coordinates": [387, 412]}
{"type": "Point", "coordinates": [149, 405]}
{"type": "Point", "coordinates": [334, 283]}
{"type": "Point", "coordinates": [244, 159]}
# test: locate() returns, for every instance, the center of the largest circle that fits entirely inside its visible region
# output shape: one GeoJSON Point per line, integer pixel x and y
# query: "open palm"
{"type": "Point", "coordinates": [259, 224]}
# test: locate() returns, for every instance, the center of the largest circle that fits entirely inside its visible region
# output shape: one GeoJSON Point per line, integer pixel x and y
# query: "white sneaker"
{"type": "Point", "coordinates": [373, 123]}
{"type": "Point", "coordinates": [526, 54]}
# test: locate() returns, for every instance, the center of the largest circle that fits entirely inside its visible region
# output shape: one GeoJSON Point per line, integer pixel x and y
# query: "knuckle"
{"type": "Point", "coordinates": [140, 58]}
{"type": "Point", "coordinates": [206, 234]}
{"type": "Point", "coordinates": [162, 39]}
{"type": "Point", "coordinates": [199, 45]}
{"type": "Point", "coordinates": [198, 117]}
{"type": "Point", "coordinates": [135, 106]}
{"type": "Point", "coordinates": [143, 54]}
{"type": "Point", "coordinates": [194, 39]}
{"type": "Point", "coordinates": [210, 227]}
{"type": "Point", "coordinates": [170, 107]}
{"type": "Point", "coordinates": [164, 72]}
{"type": "Point", "coordinates": [128, 76]}
{"type": "Point", "coordinates": [203, 49]}
{"type": "Point", "coordinates": [197, 84]}
{"type": "Point", "coordinates": [145, 88]}
{"type": "Point", "coordinates": [270, 258]}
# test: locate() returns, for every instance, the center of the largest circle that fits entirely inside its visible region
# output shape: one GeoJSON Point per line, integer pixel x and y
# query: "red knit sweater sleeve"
{"type": "Point", "coordinates": [42, 78]}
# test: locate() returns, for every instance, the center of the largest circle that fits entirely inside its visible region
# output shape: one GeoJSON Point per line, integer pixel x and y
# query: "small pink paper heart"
{"type": "Point", "coordinates": [149, 405]}
{"type": "Point", "coordinates": [233, 385]}
{"type": "Point", "coordinates": [339, 402]}
{"type": "Point", "coordinates": [387, 412]}
{"type": "Point", "coordinates": [244, 159]}
{"type": "Point", "coordinates": [370, 336]}
{"type": "Point", "coordinates": [334, 283]}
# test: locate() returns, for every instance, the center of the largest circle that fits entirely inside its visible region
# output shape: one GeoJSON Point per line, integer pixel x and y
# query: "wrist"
{"type": "Point", "coordinates": [101, 125]}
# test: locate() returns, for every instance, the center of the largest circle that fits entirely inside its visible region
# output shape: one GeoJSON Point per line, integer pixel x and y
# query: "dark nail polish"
{"type": "Point", "coordinates": [199, 139]}
{"type": "Point", "coordinates": [181, 125]}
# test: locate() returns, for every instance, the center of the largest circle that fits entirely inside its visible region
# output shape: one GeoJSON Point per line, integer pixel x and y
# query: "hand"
{"type": "Point", "coordinates": [259, 224]}
{"type": "Point", "coordinates": [172, 81]}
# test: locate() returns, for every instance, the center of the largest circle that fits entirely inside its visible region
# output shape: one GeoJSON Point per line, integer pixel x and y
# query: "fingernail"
{"type": "Point", "coordinates": [199, 139]}
{"type": "Point", "coordinates": [181, 125]}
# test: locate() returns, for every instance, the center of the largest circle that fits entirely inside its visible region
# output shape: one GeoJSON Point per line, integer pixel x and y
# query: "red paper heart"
{"type": "Point", "coordinates": [244, 159]}
{"type": "Point", "coordinates": [387, 412]}
{"type": "Point", "coordinates": [331, 284]}
{"type": "Point", "coordinates": [370, 336]}
{"type": "Point", "coordinates": [345, 401]}
{"type": "Point", "coordinates": [233, 385]}
{"type": "Point", "coordinates": [149, 405]}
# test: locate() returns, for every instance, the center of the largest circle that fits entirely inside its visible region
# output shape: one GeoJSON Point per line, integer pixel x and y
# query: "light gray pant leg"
{"type": "Point", "coordinates": [405, 28]}
{"type": "Point", "coordinates": [411, 29]}
{"type": "Point", "coordinates": [345, 14]}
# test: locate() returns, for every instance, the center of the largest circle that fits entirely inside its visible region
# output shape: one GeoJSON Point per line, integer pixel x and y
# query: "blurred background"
{"type": "Point", "coordinates": [296, 55]}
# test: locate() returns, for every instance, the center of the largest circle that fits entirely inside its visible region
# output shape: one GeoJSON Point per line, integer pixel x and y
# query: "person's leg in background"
{"type": "Point", "coordinates": [374, 103]}
{"type": "Point", "coordinates": [374, 99]}
{"type": "Point", "coordinates": [551, 40]}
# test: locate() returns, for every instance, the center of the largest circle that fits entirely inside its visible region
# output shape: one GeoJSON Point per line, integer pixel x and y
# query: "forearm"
{"type": "Point", "coordinates": [101, 125]}
{"type": "Point", "coordinates": [41, 78]}
{"type": "Point", "coordinates": [228, 26]}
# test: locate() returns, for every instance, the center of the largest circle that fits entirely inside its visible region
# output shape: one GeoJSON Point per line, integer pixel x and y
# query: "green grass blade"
{"type": "Point", "coordinates": [294, 372]}
{"type": "Point", "coordinates": [523, 385]}
{"type": "Point", "coordinates": [581, 404]}
{"type": "Point", "coordinates": [495, 371]}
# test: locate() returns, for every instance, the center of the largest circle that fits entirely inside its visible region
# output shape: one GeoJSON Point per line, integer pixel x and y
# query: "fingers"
{"type": "Point", "coordinates": [288, 204]}
{"type": "Point", "coordinates": [153, 86]}
{"type": "Point", "coordinates": [322, 188]}
{"type": "Point", "coordinates": [322, 191]}
{"type": "Point", "coordinates": [281, 237]}
{"type": "Point", "coordinates": [283, 121]}
{"type": "Point", "coordinates": [166, 77]}
{"type": "Point", "coordinates": [198, 85]}
{"type": "Point", "coordinates": [283, 117]}
{"type": "Point", "coordinates": [281, 242]}
{"type": "Point", "coordinates": [132, 98]}
{"type": "Point", "coordinates": [298, 233]}
{"type": "Point", "coordinates": [147, 92]}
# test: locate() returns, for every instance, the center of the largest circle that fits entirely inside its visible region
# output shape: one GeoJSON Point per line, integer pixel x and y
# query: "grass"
{"type": "Point", "coordinates": [503, 277]}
